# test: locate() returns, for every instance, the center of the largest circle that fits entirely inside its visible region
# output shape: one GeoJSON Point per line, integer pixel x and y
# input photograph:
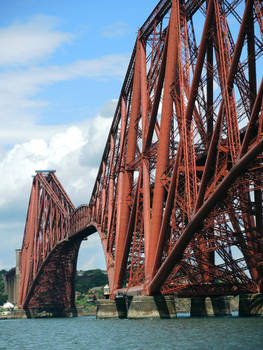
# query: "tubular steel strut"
{"type": "Point", "coordinates": [178, 196]}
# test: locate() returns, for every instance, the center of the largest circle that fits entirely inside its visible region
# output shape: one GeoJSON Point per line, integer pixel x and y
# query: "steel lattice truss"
{"type": "Point", "coordinates": [178, 196]}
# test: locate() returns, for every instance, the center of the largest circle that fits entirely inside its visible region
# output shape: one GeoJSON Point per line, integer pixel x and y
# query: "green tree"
{"type": "Point", "coordinates": [90, 279]}
{"type": "Point", "coordinates": [3, 296]}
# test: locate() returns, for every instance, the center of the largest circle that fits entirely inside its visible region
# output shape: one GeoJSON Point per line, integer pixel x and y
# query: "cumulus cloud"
{"type": "Point", "coordinates": [24, 43]}
{"type": "Point", "coordinates": [19, 86]}
{"type": "Point", "coordinates": [73, 150]}
{"type": "Point", "coordinates": [69, 152]}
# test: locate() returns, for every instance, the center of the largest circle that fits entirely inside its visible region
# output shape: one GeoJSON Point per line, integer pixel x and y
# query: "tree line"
{"type": "Point", "coordinates": [3, 296]}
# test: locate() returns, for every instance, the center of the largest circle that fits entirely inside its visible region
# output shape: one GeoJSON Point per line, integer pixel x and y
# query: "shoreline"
{"type": "Point", "coordinates": [20, 314]}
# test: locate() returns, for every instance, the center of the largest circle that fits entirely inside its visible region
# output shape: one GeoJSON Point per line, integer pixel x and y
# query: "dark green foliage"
{"type": "Point", "coordinates": [3, 296]}
{"type": "Point", "coordinates": [90, 279]}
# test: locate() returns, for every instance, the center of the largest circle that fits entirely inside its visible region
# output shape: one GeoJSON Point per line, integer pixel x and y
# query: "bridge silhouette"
{"type": "Point", "coordinates": [177, 201]}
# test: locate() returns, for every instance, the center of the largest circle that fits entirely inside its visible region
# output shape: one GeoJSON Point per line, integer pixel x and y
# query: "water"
{"type": "Point", "coordinates": [89, 333]}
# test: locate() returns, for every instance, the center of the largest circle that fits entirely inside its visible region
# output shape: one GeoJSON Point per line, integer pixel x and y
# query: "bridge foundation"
{"type": "Point", "coordinates": [107, 308]}
{"type": "Point", "coordinates": [221, 306]}
{"type": "Point", "coordinates": [201, 307]}
{"type": "Point", "coordinates": [157, 306]}
{"type": "Point", "coordinates": [251, 305]}
{"type": "Point", "coordinates": [51, 312]}
{"type": "Point", "coordinates": [218, 306]}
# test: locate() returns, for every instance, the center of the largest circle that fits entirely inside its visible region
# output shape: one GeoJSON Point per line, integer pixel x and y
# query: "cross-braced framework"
{"type": "Point", "coordinates": [47, 225]}
{"type": "Point", "coordinates": [178, 196]}
{"type": "Point", "coordinates": [179, 190]}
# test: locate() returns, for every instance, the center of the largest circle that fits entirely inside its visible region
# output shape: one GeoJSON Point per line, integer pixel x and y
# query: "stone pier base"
{"type": "Point", "coordinates": [221, 306]}
{"type": "Point", "coordinates": [251, 305]}
{"type": "Point", "coordinates": [51, 312]}
{"type": "Point", "coordinates": [107, 308]}
{"type": "Point", "coordinates": [214, 306]}
{"type": "Point", "coordinates": [152, 307]}
{"type": "Point", "coordinates": [201, 307]}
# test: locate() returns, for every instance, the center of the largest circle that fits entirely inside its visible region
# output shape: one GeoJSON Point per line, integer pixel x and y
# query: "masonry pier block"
{"type": "Point", "coordinates": [201, 307]}
{"type": "Point", "coordinates": [218, 306]}
{"type": "Point", "coordinates": [221, 306]}
{"type": "Point", "coordinates": [182, 305]}
{"type": "Point", "coordinates": [157, 306]}
{"type": "Point", "coordinates": [50, 312]}
{"type": "Point", "coordinates": [107, 308]}
{"type": "Point", "coordinates": [251, 305]}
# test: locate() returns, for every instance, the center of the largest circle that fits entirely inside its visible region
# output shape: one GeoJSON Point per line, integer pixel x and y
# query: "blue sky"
{"type": "Point", "coordinates": [62, 64]}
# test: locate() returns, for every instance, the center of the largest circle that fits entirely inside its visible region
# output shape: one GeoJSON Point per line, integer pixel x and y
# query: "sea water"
{"type": "Point", "coordinates": [89, 333]}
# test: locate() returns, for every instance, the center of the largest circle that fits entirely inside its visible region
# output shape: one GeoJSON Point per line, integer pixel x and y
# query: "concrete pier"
{"type": "Point", "coordinates": [163, 306]}
{"type": "Point", "coordinates": [218, 306]}
{"type": "Point", "coordinates": [201, 307]}
{"type": "Point", "coordinates": [251, 305]}
{"type": "Point", "coordinates": [50, 312]}
{"type": "Point", "coordinates": [152, 307]}
{"type": "Point", "coordinates": [221, 306]}
{"type": "Point", "coordinates": [182, 305]}
{"type": "Point", "coordinates": [107, 308]}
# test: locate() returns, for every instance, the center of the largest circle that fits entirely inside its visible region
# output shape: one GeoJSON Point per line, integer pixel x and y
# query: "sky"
{"type": "Point", "coordinates": [62, 65]}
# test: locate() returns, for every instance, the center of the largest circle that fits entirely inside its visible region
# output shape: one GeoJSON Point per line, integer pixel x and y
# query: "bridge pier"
{"type": "Point", "coordinates": [210, 306]}
{"type": "Point", "coordinates": [201, 307]}
{"type": "Point", "coordinates": [50, 312]}
{"type": "Point", "coordinates": [251, 305]}
{"type": "Point", "coordinates": [107, 308]}
{"type": "Point", "coordinates": [163, 306]}
{"type": "Point", "coordinates": [221, 306]}
{"type": "Point", "coordinates": [156, 306]}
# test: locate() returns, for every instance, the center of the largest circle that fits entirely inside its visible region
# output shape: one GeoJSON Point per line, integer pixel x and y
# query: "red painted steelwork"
{"type": "Point", "coordinates": [178, 196]}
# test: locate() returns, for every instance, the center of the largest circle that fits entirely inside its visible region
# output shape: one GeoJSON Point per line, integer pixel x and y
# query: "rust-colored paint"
{"type": "Point", "coordinates": [177, 200]}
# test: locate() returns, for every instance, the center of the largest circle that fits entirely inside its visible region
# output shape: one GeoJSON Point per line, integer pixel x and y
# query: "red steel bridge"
{"type": "Point", "coordinates": [177, 201]}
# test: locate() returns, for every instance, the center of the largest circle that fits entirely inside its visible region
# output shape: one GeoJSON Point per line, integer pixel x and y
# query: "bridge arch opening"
{"type": "Point", "coordinates": [53, 289]}
{"type": "Point", "coordinates": [91, 255]}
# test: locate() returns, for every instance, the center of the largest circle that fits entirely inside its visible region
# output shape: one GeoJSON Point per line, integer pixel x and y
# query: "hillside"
{"type": "Point", "coordinates": [86, 280]}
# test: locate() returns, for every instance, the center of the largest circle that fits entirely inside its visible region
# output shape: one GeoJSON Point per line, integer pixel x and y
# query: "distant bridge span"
{"type": "Point", "coordinates": [178, 197]}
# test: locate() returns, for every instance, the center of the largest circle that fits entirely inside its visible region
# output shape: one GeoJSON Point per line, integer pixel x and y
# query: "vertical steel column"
{"type": "Point", "coordinates": [111, 184]}
{"type": "Point", "coordinates": [103, 193]}
{"type": "Point", "coordinates": [122, 165]}
{"type": "Point", "coordinates": [121, 256]}
{"type": "Point", "coordinates": [145, 161]}
{"type": "Point", "coordinates": [167, 108]}
{"type": "Point", "coordinates": [164, 138]}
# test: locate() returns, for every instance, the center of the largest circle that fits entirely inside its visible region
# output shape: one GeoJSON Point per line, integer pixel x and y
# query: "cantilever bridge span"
{"type": "Point", "coordinates": [178, 196]}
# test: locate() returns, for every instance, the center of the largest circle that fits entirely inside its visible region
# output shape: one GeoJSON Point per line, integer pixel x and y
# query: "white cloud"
{"type": "Point", "coordinates": [24, 43]}
{"type": "Point", "coordinates": [70, 152]}
{"type": "Point", "coordinates": [73, 150]}
{"type": "Point", "coordinates": [18, 104]}
{"type": "Point", "coordinates": [116, 29]}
